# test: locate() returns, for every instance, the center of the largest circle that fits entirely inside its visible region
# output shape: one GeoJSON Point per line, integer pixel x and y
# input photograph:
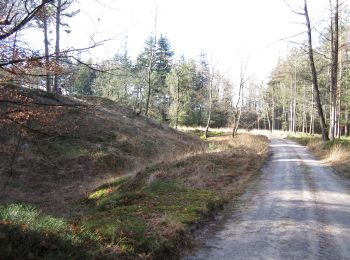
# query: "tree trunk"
{"type": "Point", "coordinates": [151, 63]}
{"type": "Point", "coordinates": [314, 76]}
{"type": "Point", "coordinates": [290, 126]}
{"type": "Point", "coordinates": [47, 59]}
{"type": "Point", "coordinates": [304, 111]}
{"type": "Point", "coordinates": [57, 46]}
{"type": "Point", "coordinates": [149, 91]}
{"type": "Point", "coordinates": [339, 99]}
{"type": "Point", "coordinates": [210, 105]}
{"type": "Point", "coordinates": [238, 111]}
{"type": "Point", "coordinates": [346, 119]}
{"type": "Point", "coordinates": [178, 102]}
{"type": "Point", "coordinates": [312, 116]}
{"type": "Point", "coordinates": [269, 122]}
{"type": "Point", "coordinates": [334, 69]}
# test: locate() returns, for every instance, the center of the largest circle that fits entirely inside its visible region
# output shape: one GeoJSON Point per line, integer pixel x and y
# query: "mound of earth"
{"type": "Point", "coordinates": [55, 149]}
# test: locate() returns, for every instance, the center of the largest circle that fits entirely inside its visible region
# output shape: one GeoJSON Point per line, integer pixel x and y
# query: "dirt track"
{"type": "Point", "coordinates": [298, 210]}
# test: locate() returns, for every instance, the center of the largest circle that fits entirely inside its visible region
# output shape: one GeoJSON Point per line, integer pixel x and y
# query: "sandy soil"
{"type": "Point", "coordinates": [298, 210]}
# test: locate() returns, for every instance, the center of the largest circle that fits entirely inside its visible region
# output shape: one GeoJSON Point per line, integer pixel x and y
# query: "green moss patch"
{"type": "Point", "coordinates": [148, 218]}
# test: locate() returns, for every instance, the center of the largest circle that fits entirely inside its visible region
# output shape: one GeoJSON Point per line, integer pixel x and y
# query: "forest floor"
{"type": "Point", "coordinates": [87, 178]}
{"type": "Point", "coordinates": [299, 209]}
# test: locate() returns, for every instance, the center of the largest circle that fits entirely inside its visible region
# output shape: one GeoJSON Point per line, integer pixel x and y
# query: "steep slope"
{"type": "Point", "coordinates": [56, 149]}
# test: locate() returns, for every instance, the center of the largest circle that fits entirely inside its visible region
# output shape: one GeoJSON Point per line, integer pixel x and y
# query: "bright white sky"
{"type": "Point", "coordinates": [224, 29]}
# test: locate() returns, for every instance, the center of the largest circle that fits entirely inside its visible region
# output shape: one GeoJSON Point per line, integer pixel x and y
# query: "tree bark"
{"type": "Point", "coordinates": [47, 59]}
{"type": "Point", "coordinates": [57, 46]}
{"type": "Point", "coordinates": [178, 102]}
{"type": "Point", "coordinates": [149, 90]}
{"type": "Point", "coordinates": [334, 68]}
{"type": "Point", "coordinates": [340, 82]}
{"type": "Point", "coordinates": [210, 104]}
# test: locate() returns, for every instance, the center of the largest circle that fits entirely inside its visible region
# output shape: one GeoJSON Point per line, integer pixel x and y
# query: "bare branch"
{"type": "Point", "coordinates": [25, 20]}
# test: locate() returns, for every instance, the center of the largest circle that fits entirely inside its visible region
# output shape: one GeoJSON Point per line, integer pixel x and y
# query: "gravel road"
{"type": "Point", "coordinates": [298, 210]}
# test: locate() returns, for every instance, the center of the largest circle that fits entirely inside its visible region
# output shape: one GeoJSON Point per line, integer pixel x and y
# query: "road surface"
{"type": "Point", "coordinates": [298, 210]}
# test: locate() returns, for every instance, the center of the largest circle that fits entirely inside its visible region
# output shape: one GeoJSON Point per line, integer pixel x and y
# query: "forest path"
{"type": "Point", "coordinates": [298, 210]}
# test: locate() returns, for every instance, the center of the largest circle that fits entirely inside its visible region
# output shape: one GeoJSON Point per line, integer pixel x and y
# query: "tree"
{"type": "Point", "coordinates": [61, 11]}
{"type": "Point", "coordinates": [84, 79]}
{"type": "Point", "coordinates": [207, 75]}
{"type": "Point", "coordinates": [146, 61]}
{"type": "Point", "coordinates": [44, 18]}
{"type": "Point", "coordinates": [15, 15]}
{"type": "Point", "coordinates": [154, 64]}
{"type": "Point", "coordinates": [314, 75]}
{"type": "Point", "coordinates": [239, 104]}
{"type": "Point", "coordinates": [180, 82]}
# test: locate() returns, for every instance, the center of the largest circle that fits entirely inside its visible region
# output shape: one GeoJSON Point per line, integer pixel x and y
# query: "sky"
{"type": "Point", "coordinates": [229, 31]}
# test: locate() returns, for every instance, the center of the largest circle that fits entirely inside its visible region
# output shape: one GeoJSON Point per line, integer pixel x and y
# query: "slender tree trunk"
{"type": "Point", "coordinates": [314, 76]}
{"type": "Point", "coordinates": [210, 104]}
{"type": "Point", "coordinates": [269, 122]}
{"type": "Point", "coordinates": [283, 117]}
{"type": "Point", "coordinates": [151, 63]}
{"type": "Point", "coordinates": [334, 68]}
{"type": "Point", "coordinates": [47, 58]}
{"type": "Point", "coordinates": [312, 116]}
{"type": "Point", "coordinates": [346, 123]}
{"type": "Point", "coordinates": [290, 127]}
{"type": "Point", "coordinates": [178, 102]}
{"type": "Point", "coordinates": [149, 90]}
{"type": "Point", "coordinates": [14, 51]}
{"type": "Point", "coordinates": [340, 82]}
{"type": "Point", "coordinates": [346, 116]}
{"type": "Point", "coordinates": [273, 114]}
{"type": "Point", "coordinates": [295, 99]}
{"type": "Point", "coordinates": [238, 109]}
{"type": "Point", "coordinates": [304, 111]}
{"type": "Point", "coordinates": [57, 46]}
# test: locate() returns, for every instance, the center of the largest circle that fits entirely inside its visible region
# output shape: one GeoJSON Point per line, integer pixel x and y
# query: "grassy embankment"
{"type": "Point", "coordinates": [87, 178]}
{"type": "Point", "coordinates": [333, 153]}
{"type": "Point", "coordinates": [149, 215]}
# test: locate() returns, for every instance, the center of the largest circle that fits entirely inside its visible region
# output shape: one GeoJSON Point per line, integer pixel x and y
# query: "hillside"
{"type": "Point", "coordinates": [56, 149]}
{"type": "Point", "coordinates": [88, 179]}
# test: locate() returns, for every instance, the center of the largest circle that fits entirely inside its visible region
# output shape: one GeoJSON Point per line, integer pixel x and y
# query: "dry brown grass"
{"type": "Point", "coordinates": [173, 197]}
{"type": "Point", "coordinates": [335, 154]}
{"type": "Point", "coordinates": [85, 143]}
{"type": "Point", "coordinates": [226, 166]}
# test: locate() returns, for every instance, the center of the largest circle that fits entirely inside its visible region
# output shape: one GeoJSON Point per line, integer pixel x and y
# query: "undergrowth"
{"type": "Point", "coordinates": [27, 233]}
{"type": "Point", "coordinates": [335, 153]}
{"type": "Point", "coordinates": [149, 215]}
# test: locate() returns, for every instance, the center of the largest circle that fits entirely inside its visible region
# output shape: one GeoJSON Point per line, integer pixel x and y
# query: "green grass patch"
{"type": "Point", "coordinates": [139, 215]}
{"type": "Point", "coordinates": [26, 232]}
{"type": "Point", "coordinates": [200, 133]}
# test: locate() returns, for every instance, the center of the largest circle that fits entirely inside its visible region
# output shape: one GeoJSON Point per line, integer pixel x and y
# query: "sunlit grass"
{"type": "Point", "coordinates": [334, 153]}
{"type": "Point", "coordinates": [27, 232]}
{"type": "Point", "coordinates": [151, 213]}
